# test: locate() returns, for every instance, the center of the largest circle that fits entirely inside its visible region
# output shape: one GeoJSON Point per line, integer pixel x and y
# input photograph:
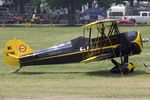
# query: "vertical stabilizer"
{"type": "Point", "coordinates": [13, 50]}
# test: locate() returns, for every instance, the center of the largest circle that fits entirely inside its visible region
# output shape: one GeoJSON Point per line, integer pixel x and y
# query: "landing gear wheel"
{"type": "Point", "coordinates": [124, 68]}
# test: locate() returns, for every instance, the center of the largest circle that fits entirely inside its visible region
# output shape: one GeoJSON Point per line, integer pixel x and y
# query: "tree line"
{"type": "Point", "coordinates": [71, 5]}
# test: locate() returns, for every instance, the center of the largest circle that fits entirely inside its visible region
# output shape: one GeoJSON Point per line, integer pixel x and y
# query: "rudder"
{"type": "Point", "coordinates": [13, 50]}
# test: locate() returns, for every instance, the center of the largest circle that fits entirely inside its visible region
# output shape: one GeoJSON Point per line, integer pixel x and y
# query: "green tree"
{"type": "Point", "coordinates": [90, 2]}
{"type": "Point", "coordinates": [71, 5]}
{"type": "Point", "coordinates": [105, 3]}
{"type": "Point", "coordinates": [19, 5]}
{"type": "Point", "coordinates": [36, 3]}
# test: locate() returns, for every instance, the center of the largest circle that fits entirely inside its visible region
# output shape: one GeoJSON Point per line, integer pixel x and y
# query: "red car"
{"type": "Point", "coordinates": [126, 21]}
{"type": "Point", "coordinates": [17, 19]}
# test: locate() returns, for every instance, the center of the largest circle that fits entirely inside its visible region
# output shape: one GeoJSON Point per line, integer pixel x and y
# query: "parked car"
{"type": "Point", "coordinates": [126, 21]}
{"type": "Point", "coordinates": [17, 19]}
{"type": "Point", "coordinates": [143, 17]}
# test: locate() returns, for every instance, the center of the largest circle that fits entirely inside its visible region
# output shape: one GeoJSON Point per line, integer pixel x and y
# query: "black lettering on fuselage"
{"type": "Point", "coordinates": [12, 53]}
{"type": "Point", "coordinates": [9, 47]}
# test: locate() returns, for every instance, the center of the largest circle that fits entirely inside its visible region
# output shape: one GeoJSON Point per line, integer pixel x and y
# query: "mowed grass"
{"type": "Point", "coordinates": [71, 81]}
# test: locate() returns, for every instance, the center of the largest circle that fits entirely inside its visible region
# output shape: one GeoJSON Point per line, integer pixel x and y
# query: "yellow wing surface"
{"type": "Point", "coordinates": [106, 22]}
{"type": "Point", "coordinates": [13, 50]}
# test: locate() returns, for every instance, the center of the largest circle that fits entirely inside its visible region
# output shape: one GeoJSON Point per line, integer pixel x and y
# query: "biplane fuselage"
{"type": "Point", "coordinates": [82, 49]}
{"type": "Point", "coordinates": [78, 50]}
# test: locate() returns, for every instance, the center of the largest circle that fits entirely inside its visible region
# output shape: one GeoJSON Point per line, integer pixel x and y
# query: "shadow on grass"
{"type": "Point", "coordinates": [37, 73]}
{"type": "Point", "coordinates": [107, 73]}
{"type": "Point", "coordinates": [104, 73]}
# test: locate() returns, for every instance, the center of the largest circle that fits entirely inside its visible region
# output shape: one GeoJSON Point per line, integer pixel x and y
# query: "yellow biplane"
{"type": "Point", "coordinates": [101, 40]}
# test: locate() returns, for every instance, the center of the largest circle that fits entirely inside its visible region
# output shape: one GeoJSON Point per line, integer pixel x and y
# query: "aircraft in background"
{"type": "Point", "coordinates": [101, 40]}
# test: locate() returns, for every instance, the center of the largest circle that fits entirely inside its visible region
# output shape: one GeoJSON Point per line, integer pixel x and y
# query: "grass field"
{"type": "Point", "coordinates": [90, 81]}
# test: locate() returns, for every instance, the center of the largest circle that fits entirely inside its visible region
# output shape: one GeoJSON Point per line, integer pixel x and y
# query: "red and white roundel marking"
{"type": "Point", "coordinates": [22, 48]}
